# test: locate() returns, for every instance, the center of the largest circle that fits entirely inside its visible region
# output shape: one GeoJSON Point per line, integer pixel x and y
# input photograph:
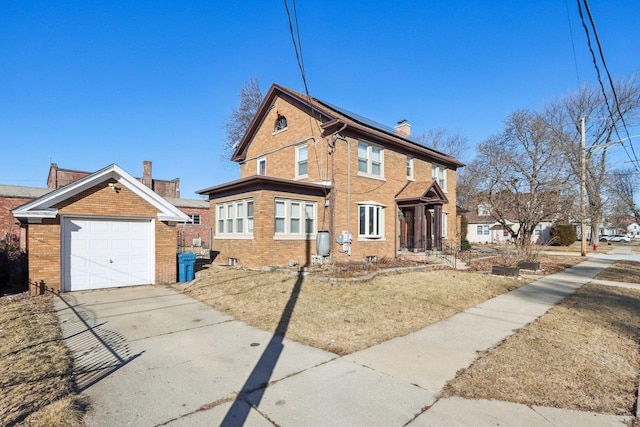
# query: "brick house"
{"type": "Point", "coordinates": [310, 170]}
{"type": "Point", "coordinates": [12, 196]}
{"type": "Point", "coordinates": [106, 229]}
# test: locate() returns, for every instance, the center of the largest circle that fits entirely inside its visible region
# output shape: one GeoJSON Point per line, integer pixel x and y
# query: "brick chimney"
{"type": "Point", "coordinates": [403, 128]}
{"type": "Point", "coordinates": [146, 174]}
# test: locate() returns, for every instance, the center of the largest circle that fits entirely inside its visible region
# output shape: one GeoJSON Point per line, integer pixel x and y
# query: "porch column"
{"type": "Point", "coordinates": [419, 228]}
{"type": "Point", "coordinates": [437, 227]}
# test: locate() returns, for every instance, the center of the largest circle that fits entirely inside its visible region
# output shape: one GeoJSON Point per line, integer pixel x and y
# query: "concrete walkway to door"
{"type": "Point", "coordinates": [150, 356]}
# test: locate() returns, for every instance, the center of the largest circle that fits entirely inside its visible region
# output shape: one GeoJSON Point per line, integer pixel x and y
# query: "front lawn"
{"type": "Point", "coordinates": [36, 370]}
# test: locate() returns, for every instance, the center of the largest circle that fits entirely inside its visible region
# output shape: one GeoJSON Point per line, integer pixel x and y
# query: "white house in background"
{"type": "Point", "coordinates": [633, 230]}
{"type": "Point", "coordinates": [483, 228]}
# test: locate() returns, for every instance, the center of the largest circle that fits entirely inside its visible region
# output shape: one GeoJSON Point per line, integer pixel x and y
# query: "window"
{"type": "Point", "coordinates": [538, 230]}
{"type": "Point", "coordinates": [229, 218]}
{"type": "Point", "coordinates": [439, 174]}
{"type": "Point", "coordinates": [302, 156]}
{"type": "Point", "coordinates": [262, 166]}
{"type": "Point", "coordinates": [409, 167]}
{"type": "Point", "coordinates": [309, 218]}
{"type": "Point", "coordinates": [234, 219]}
{"type": "Point", "coordinates": [194, 219]}
{"type": "Point", "coordinates": [371, 221]}
{"type": "Point", "coordinates": [280, 216]}
{"type": "Point", "coordinates": [482, 230]}
{"type": "Point", "coordinates": [220, 218]}
{"type": "Point", "coordinates": [249, 217]}
{"type": "Point", "coordinates": [239, 217]}
{"type": "Point", "coordinates": [370, 159]}
{"type": "Point", "coordinates": [281, 124]}
{"type": "Point", "coordinates": [289, 219]}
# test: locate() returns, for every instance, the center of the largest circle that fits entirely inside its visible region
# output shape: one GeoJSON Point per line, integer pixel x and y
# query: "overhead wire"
{"type": "Point", "coordinates": [616, 101]}
{"type": "Point", "coordinates": [599, 76]}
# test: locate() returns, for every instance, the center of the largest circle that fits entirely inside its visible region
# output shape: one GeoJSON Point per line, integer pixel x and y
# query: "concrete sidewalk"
{"type": "Point", "coordinates": [151, 356]}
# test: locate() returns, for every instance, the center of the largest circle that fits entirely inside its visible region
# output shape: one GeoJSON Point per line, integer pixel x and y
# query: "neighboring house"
{"type": "Point", "coordinates": [482, 227]}
{"type": "Point", "coordinates": [633, 230]}
{"type": "Point", "coordinates": [12, 196]}
{"type": "Point", "coordinates": [311, 169]}
{"type": "Point", "coordinates": [166, 188]}
{"type": "Point", "coordinates": [196, 232]}
{"type": "Point", "coordinates": [106, 229]}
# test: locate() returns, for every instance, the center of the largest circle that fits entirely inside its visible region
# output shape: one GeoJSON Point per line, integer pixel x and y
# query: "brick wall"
{"type": "Point", "coordinates": [281, 163]}
{"type": "Point", "coordinates": [188, 232]}
{"type": "Point", "coordinates": [44, 239]}
{"type": "Point", "coordinates": [9, 225]}
{"type": "Point", "coordinates": [263, 249]}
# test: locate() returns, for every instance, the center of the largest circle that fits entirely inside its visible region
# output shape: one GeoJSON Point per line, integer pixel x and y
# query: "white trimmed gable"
{"type": "Point", "coordinates": [43, 207]}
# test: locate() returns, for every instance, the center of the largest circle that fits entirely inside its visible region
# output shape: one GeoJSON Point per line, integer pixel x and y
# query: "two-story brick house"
{"type": "Point", "coordinates": [311, 170]}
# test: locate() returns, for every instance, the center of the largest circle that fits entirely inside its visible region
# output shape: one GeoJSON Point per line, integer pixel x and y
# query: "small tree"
{"type": "Point", "coordinates": [563, 234]}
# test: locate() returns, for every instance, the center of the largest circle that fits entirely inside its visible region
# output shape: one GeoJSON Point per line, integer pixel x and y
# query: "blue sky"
{"type": "Point", "coordinates": [88, 83]}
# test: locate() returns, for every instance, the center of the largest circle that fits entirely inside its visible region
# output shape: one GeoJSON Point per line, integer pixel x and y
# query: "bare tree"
{"type": "Point", "coordinates": [238, 122]}
{"type": "Point", "coordinates": [453, 144]}
{"type": "Point", "coordinates": [604, 122]}
{"type": "Point", "coordinates": [623, 186]}
{"type": "Point", "coordinates": [523, 180]}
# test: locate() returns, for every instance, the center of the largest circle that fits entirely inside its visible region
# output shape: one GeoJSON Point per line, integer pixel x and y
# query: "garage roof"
{"type": "Point", "coordinates": [43, 207]}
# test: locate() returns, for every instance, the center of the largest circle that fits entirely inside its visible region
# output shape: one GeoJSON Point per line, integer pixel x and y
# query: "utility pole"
{"type": "Point", "coordinates": [583, 184]}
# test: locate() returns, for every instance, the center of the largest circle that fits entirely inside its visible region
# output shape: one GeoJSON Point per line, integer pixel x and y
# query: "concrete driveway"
{"type": "Point", "coordinates": [148, 355]}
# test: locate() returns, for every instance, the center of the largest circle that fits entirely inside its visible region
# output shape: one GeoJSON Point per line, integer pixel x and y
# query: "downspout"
{"type": "Point", "coordinates": [334, 137]}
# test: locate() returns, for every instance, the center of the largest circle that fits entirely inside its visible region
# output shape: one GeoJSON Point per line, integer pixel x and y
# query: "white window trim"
{"type": "Point", "coordinates": [192, 217]}
{"type": "Point", "coordinates": [435, 168]}
{"type": "Point", "coordinates": [369, 158]}
{"type": "Point", "coordinates": [297, 166]}
{"type": "Point", "coordinates": [260, 160]}
{"type": "Point", "coordinates": [224, 208]}
{"type": "Point", "coordinates": [381, 221]}
{"type": "Point", "coordinates": [275, 132]}
{"type": "Point", "coordinates": [411, 167]}
{"type": "Point", "coordinates": [302, 235]}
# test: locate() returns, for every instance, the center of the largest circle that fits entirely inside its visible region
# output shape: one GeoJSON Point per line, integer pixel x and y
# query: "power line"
{"type": "Point", "coordinates": [599, 76]}
{"type": "Point", "coordinates": [573, 45]}
{"type": "Point", "coordinates": [613, 89]}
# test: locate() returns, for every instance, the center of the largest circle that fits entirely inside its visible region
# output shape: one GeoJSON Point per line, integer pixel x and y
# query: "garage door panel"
{"type": "Point", "coordinates": [107, 253]}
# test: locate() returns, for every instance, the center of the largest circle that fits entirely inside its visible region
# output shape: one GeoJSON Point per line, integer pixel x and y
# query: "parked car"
{"type": "Point", "coordinates": [620, 238]}
{"type": "Point", "coordinates": [604, 237]}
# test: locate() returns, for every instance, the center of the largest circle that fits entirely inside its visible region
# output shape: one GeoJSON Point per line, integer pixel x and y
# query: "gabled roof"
{"type": "Point", "coordinates": [43, 206]}
{"type": "Point", "coordinates": [335, 118]}
{"type": "Point", "coordinates": [429, 192]}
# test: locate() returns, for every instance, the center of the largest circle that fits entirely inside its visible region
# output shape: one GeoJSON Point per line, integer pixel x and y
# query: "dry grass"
{"type": "Point", "coordinates": [549, 264]}
{"type": "Point", "coordinates": [582, 354]}
{"type": "Point", "coordinates": [345, 317]}
{"type": "Point", "coordinates": [622, 271]}
{"type": "Point", "coordinates": [35, 373]}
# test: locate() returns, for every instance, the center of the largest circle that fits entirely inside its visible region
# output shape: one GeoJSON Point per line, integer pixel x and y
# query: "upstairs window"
{"type": "Point", "coordinates": [194, 219]}
{"type": "Point", "coordinates": [409, 167]}
{"type": "Point", "coordinates": [262, 166]}
{"type": "Point", "coordinates": [302, 161]}
{"type": "Point", "coordinates": [370, 159]}
{"type": "Point", "coordinates": [281, 124]}
{"type": "Point", "coordinates": [439, 174]}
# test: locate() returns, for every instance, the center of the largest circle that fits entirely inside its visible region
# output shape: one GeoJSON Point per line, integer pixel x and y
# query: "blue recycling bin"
{"type": "Point", "coordinates": [186, 267]}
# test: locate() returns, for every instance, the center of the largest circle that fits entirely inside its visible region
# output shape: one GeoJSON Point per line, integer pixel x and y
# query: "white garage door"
{"type": "Point", "coordinates": [107, 253]}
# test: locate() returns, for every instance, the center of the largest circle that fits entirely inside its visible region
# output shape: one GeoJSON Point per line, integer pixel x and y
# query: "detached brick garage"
{"type": "Point", "coordinates": [104, 230]}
